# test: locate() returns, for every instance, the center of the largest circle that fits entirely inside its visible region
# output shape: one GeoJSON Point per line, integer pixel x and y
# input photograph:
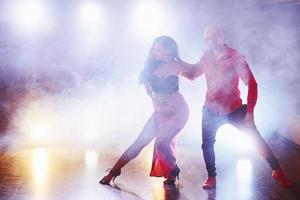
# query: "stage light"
{"type": "Point", "coordinates": [38, 130]}
{"type": "Point", "coordinates": [36, 123]}
{"type": "Point", "coordinates": [29, 15]}
{"type": "Point", "coordinates": [38, 127]}
{"type": "Point", "coordinates": [244, 170]}
{"type": "Point", "coordinates": [231, 137]}
{"type": "Point", "coordinates": [90, 16]}
{"type": "Point", "coordinates": [91, 25]}
{"type": "Point", "coordinates": [149, 19]}
{"type": "Point", "coordinates": [90, 12]}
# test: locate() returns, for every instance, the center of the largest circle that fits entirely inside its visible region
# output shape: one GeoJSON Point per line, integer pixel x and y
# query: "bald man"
{"type": "Point", "coordinates": [223, 67]}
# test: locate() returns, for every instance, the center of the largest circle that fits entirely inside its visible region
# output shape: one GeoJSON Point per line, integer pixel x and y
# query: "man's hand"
{"type": "Point", "coordinates": [249, 120]}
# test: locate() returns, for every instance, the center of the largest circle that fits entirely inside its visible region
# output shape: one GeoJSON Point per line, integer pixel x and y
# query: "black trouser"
{"type": "Point", "coordinates": [211, 123]}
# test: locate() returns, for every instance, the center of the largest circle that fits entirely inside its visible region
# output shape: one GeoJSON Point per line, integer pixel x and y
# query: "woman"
{"type": "Point", "coordinates": [160, 78]}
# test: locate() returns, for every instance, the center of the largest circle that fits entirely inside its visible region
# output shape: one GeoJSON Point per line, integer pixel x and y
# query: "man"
{"type": "Point", "coordinates": [223, 67]}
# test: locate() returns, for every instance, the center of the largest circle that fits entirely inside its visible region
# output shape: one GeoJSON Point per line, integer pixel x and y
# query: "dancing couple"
{"type": "Point", "coordinates": [223, 67]}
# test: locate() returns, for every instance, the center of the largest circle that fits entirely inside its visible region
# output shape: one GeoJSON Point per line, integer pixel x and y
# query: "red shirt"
{"type": "Point", "coordinates": [222, 79]}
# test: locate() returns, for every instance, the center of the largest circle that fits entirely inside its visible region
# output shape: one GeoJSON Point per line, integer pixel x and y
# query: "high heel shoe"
{"type": "Point", "coordinates": [173, 175]}
{"type": "Point", "coordinates": [111, 176]}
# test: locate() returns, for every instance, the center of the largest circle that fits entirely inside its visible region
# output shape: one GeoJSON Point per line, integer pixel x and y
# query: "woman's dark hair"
{"type": "Point", "coordinates": [151, 64]}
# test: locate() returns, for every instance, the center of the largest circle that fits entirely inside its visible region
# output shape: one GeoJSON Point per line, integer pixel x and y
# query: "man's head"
{"type": "Point", "coordinates": [213, 37]}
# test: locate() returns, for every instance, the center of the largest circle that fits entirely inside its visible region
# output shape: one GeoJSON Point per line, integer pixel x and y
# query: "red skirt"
{"type": "Point", "coordinates": [163, 159]}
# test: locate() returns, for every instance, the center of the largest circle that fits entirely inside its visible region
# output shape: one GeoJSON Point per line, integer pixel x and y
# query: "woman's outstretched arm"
{"type": "Point", "coordinates": [191, 71]}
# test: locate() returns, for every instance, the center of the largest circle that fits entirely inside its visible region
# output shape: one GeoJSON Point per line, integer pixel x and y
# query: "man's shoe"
{"type": "Point", "coordinates": [279, 176]}
{"type": "Point", "coordinates": [210, 183]}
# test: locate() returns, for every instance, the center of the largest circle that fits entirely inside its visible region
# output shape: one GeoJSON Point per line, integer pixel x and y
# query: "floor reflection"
{"type": "Point", "coordinates": [211, 194]}
{"type": "Point", "coordinates": [171, 192]}
{"type": "Point", "coordinates": [40, 172]}
{"type": "Point", "coordinates": [73, 173]}
{"type": "Point", "coordinates": [40, 165]}
{"type": "Point", "coordinates": [162, 191]}
{"type": "Point", "coordinates": [91, 158]}
{"type": "Point", "coordinates": [244, 174]}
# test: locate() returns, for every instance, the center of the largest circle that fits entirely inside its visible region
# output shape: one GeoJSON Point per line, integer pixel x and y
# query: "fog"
{"type": "Point", "coordinates": [64, 83]}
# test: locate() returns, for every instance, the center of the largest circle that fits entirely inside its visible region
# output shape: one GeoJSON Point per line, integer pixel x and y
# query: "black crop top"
{"type": "Point", "coordinates": [168, 85]}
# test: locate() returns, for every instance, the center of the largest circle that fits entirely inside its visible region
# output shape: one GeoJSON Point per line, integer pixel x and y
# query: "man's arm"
{"type": "Point", "coordinates": [247, 77]}
{"type": "Point", "coordinates": [191, 71]}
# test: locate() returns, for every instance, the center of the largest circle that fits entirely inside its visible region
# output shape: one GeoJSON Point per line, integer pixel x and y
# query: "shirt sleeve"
{"type": "Point", "coordinates": [247, 77]}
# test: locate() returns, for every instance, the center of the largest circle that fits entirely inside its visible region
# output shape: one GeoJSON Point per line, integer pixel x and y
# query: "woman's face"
{"type": "Point", "coordinates": [160, 53]}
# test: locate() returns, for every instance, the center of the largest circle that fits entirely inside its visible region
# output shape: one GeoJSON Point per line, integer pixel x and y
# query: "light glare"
{"type": "Point", "coordinates": [29, 15]}
{"type": "Point", "coordinates": [149, 19]}
{"type": "Point", "coordinates": [241, 141]}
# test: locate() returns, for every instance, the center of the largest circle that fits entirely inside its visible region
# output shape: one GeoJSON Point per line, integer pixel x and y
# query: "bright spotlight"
{"type": "Point", "coordinates": [90, 12]}
{"type": "Point", "coordinates": [230, 136]}
{"type": "Point", "coordinates": [37, 124]}
{"type": "Point", "coordinates": [244, 170]}
{"type": "Point", "coordinates": [38, 130]}
{"type": "Point", "coordinates": [29, 15]}
{"type": "Point", "coordinates": [91, 23]}
{"type": "Point", "coordinates": [149, 19]}
{"type": "Point", "coordinates": [90, 16]}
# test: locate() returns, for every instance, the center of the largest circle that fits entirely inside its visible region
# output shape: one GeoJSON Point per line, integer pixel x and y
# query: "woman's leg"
{"type": "Point", "coordinates": [145, 137]}
{"type": "Point", "coordinates": [164, 161]}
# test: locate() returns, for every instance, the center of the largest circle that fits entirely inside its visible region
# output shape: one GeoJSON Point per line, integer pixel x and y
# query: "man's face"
{"type": "Point", "coordinates": [213, 38]}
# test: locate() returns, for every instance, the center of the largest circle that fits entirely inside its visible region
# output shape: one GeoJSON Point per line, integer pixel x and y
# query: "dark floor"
{"type": "Point", "coordinates": [73, 173]}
